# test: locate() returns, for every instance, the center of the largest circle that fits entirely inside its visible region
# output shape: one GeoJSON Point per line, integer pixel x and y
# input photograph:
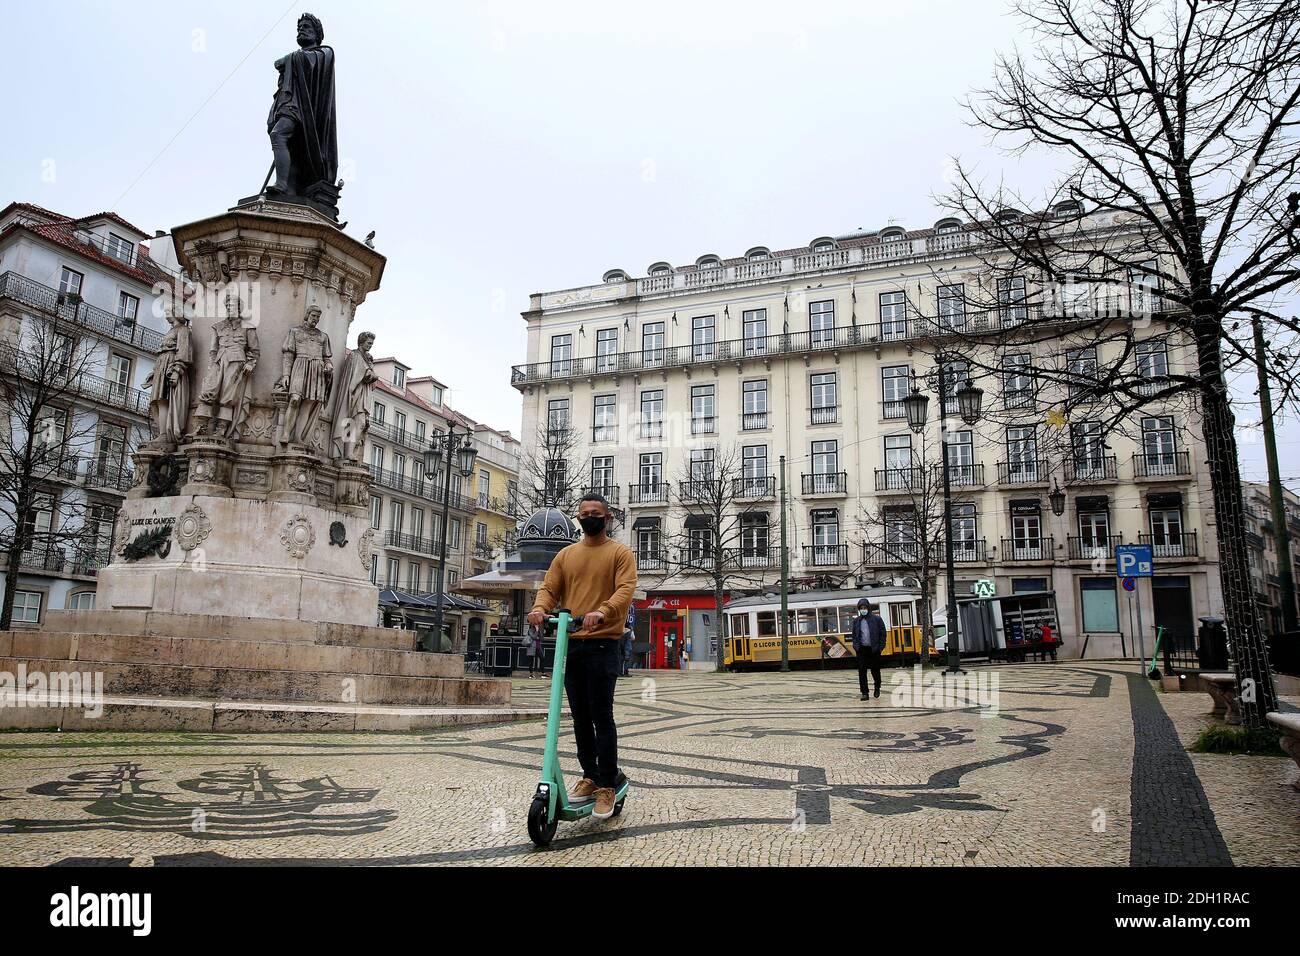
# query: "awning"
{"type": "Point", "coordinates": [645, 521]}
{"type": "Point", "coordinates": [1025, 506]}
{"type": "Point", "coordinates": [1092, 502]}
{"type": "Point", "coordinates": [698, 521]}
{"type": "Point", "coordinates": [428, 601]}
{"type": "Point", "coordinates": [495, 583]}
{"type": "Point", "coordinates": [1165, 499]}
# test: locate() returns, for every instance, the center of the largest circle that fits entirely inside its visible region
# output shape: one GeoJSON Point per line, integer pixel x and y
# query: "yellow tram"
{"type": "Point", "coordinates": [819, 628]}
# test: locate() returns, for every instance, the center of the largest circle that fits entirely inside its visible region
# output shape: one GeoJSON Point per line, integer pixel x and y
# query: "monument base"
{"type": "Point", "coordinates": [282, 560]}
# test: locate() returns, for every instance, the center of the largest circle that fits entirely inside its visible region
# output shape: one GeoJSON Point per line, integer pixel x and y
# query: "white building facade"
{"type": "Point", "coordinates": [807, 353]}
{"type": "Point", "coordinates": [95, 273]}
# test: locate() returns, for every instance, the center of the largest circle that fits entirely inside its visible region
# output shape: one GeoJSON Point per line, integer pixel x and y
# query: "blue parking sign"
{"type": "Point", "coordinates": [1134, 561]}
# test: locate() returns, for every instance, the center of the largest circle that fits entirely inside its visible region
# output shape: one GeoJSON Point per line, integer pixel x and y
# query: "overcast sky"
{"type": "Point", "coordinates": [504, 148]}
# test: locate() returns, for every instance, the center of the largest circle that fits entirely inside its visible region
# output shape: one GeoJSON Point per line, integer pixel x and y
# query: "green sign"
{"type": "Point", "coordinates": [985, 588]}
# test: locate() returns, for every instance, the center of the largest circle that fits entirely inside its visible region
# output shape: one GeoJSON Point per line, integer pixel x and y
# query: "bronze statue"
{"type": "Point", "coordinates": [225, 400]}
{"type": "Point", "coordinates": [350, 402]}
{"type": "Point", "coordinates": [305, 377]}
{"type": "Point", "coordinates": [301, 123]}
{"type": "Point", "coordinates": [169, 382]}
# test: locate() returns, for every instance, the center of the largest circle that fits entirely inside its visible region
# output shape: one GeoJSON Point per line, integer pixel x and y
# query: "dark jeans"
{"type": "Point", "coordinates": [535, 664]}
{"type": "Point", "coordinates": [868, 660]}
{"type": "Point", "coordinates": [590, 675]}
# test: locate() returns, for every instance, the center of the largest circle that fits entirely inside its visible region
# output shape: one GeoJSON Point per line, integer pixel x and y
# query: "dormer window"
{"type": "Point", "coordinates": [1070, 209]}
{"type": "Point", "coordinates": [659, 269]}
{"type": "Point", "coordinates": [120, 248]}
{"type": "Point", "coordinates": [824, 244]}
{"type": "Point", "coordinates": [758, 253]}
{"type": "Point", "coordinates": [399, 377]}
{"type": "Point", "coordinates": [946, 227]}
{"type": "Point", "coordinates": [435, 395]}
{"type": "Point", "coordinates": [708, 262]}
{"type": "Point", "coordinates": [1007, 215]}
{"type": "Point", "coordinates": [892, 234]}
{"type": "Point", "coordinates": [615, 275]}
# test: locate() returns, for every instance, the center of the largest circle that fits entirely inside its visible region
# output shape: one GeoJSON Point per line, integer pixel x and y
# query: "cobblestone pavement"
{"type": "Point", "coordinates": [726, 769]}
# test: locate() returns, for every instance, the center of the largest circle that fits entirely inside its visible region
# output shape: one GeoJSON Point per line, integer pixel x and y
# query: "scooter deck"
{"type": "Point", "coordinates": [576, 811]}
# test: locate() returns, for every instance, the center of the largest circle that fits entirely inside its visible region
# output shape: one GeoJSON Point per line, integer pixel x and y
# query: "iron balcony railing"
{"type": "Point", "coordinates": [753, 421]}
{"type": "Point", "coordinates": [963, 476]}
{"type": "Point", "coordinates": [752, 558]}
{"type": "Point", "coordinates": [1171, 544]}
{"type": "Point", "coordinates": [823, 414]}
{"type": "Point", "coordinates": [398, 436]}
{"type": "Point", "coordinates": [651, 559]}
{"type": "Point", "coordinates": [1093, 547]}
{"type": "Point", "coordinates": [1086, 468]}
{"type": "Point", "coordinates": [826, 483]}
{"type": "Point", "coordinates": [826, 555]}
{"type": "Point", "coordinates": [71, 308]}
{"type": "Point", "coordinates": [898, 479]}
{"type": "Point", "coordinates": [912, 328]}
{"type": "Point", "coordinates": [908, 554]}
{"type": "Point", "coordinates": [109, 477]}
{"type": "Point", "coordinates": [1024, 471]}
{"type": "Point", "coordinates": [418, 487]}
{"type": "Point", "coordinates": [90, 387]}
{"type": "Point", "coordinates": [411, 542]}
{"type": "Point", "coordinates": [751, 489]}
{"type": "Point", "coordinates": [703, 425]}
{"type": "Point", "coordinates": [604, 432]}
{"type": "Point", "coordinates": [649, 493]}
{"type": "Point", "coordinates": [608, 492]}
{"type": "Point", "coordinates": [1166, 464]}
{"type": "Point", "coordinates": [699, 490]}
{"type": "Point", "coordinates": [1041, 548]}
{"type": "Point", "coordinates": [893, 410]}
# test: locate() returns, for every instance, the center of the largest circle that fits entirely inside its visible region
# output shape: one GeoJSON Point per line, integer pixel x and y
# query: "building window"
{"type": "Point", "coordinates": [70, 282]}
{"type": "Point", "coordinates": [647, 546]}
{"type": "Point", "coordinates": [27, 607]}
{"type": "Point", "coordinates": [702, 462]}
{"type": "Point", "coordinates": [1022, 454]}
{"type": "Point", "coordinates": [826, 536]}
{"type": "Point", "coordinates": [893, 315]}
{"type": "Point", "coordinates": [1081, 366]}
{"type": "Point", "coordinates": [399, 376]}
{"type": "Point", "coordinates": [964, 545]}
{"type": "Point", "coordinates": [604, 417]}
{"type": "Point", "coordinates": [374, 571]}
{"type": "Point", "coordinates": [824, 398]}
{"type": "Point", "coordinates": [557, 417]}
{"type": "Point", "coordinates": [652, 413]}
{"type": "Point", "coordinates": [110, 446]}
{"type": "Point", "coordinates": [1152, 365]}
{"type": "Point", "coordinates": [651, 469]}
{"type": "Point", "coordinates": [1094, 534]}
{"type": "Point", "coordinates": [82, 601]}
{"type": "Point", "coordinates": [754, 410]}
{"type": "Point", "coordinates": [1159, 446]}
{"type": "Point", "coordinates": [380, 412]}
{"type": "Point", "coordinates": [1011, 300]}
{"type": "Point", "coordinates": [557, 482]}
{"type": "Point", "coordinates": [413, 577]}
{"type": "Point", "coordinates": [894, 381]}
{"type": "Point", "coordinates": [1089, 450]}
{"type": "Point", "coordinates": [821, 322]}
{"type": "Point", "coordinates": [376, 511]}
{"type": "Point", "coordinates": [128, 306]}
{"type": "Point", "coordinates": [606, 350]}
{"type": "Point", "coordinates": [702, 409]}
{"type": "Point", "coordinates": [754, 323]}
{"type": "Point", "coordinates": [417, 523]}
{"type": "Point", "coordinates": [652, 344]}
{"type": "Point", "coordinates": [562, 354]}
{"type": "Point", "coordinates": [602, 475]}
{"type": "Point", "coordinates": [395, 516]}
{"type": "Point", "coordinates": [952, 306]}
{"type": "Point", "coordinates": [455, 533]}
{"type": "Point", "coordinates": [1100, 607]}
{"type": "Point", "coordinates": [120, 247]}
{"type": "Point", "coordinates": [754, 471]}
{"type": "Point", "coordinates": [1027, 531]}
{"type": "Point", "coordinates": [394, 573]}
{"type": "Point", "coordinates": [753, 540]}
{"type": "Point", "coordinates": [1017, 380]}
{"type": "Point", "coordinates": [1166, 531]}
{"type": "Point", "coordinates": [419, 432]}
{"type": "Point", "coordinates": [955, 375]}
{"type": "Point", "coordinates": [399, 466]}
{"type": "Point", "coordinates": [435, 395]}
{"type": "Point", "coordinates": [702, 330]}
{"type": "Point", "coordinates": [961, 457]}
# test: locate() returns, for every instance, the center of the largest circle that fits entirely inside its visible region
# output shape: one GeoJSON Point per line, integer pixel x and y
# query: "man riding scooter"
{"type": "Point", "coordinates": [595, 577]}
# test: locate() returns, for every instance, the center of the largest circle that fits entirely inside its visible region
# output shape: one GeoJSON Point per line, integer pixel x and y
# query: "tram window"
{"type": "Point", "coordinates": [847, 614]}
{"type": "Point", "coordinates": [766, 623]}
{"type": "Point", "coordinates": [829, 621]}
{"type": "Point", "coordinates": [900, 615]}
{"type": "Point", "coordinates": [807, 621]}
{"type": "Point", "coordinates": [739, 625]}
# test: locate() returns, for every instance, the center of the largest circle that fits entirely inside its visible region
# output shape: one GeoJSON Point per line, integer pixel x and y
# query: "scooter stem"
{"type": "Point", "coordinates": [551, 760]}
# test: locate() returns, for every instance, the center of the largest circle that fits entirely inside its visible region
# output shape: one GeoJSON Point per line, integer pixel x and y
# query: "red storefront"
{"type": "Point", "coordinates": [674, 624]}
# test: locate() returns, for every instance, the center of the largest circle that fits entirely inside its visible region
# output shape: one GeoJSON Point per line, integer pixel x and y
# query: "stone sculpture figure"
{"type": "Point", "coordinates": [350, 401]}
{"type": "Point", "coordinates": [224, 400]}
{"type": "Point", "coordinates": [169, 382]}
{"type": "Point", "coordinates": [307, 367]}
{"type": "Point", "coordinates": [304, 143]}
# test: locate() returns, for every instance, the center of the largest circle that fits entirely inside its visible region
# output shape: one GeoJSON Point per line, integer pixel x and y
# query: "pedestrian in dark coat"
{"type": "Point", "coordinates": [868, 638]}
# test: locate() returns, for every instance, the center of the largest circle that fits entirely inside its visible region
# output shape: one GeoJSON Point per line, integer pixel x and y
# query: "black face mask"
{"type": "Point", "coordinates": [592, 525]}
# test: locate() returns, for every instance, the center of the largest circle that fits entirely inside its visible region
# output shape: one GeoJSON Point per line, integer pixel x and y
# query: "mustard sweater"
{"type": "Point", "coordinates": [591, 577]}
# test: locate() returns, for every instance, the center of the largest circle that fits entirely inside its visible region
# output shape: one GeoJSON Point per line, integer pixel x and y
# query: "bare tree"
{"type": "Point", "coordinates": [47, 378]}
{"type": "Point", "coordinates": [555, 468]}
{"type": "Point", "coordinates": [725, 535]}
{"type": "Point", "coordinates": [905, 530]}
{"type": "Point", "coordinates": [1177, 125]}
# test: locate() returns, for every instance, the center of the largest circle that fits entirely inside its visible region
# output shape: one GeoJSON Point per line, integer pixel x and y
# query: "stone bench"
{"type": "Point", "coordinates": [1288, 728]}
{"type": "Point", "coordinates": [1222, 689]}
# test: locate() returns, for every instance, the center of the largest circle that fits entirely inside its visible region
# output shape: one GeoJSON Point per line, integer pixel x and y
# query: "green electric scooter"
{"type": "Point", "coordinates": [551, 802]}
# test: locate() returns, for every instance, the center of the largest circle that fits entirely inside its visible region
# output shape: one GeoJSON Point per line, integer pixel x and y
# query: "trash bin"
{"type": "Point", "coordinates": [1284, 652]}
{"type": "Point", "coordinates": [1212, 644]}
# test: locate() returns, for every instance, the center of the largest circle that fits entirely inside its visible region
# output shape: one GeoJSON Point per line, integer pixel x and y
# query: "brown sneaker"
{"type": "Point", "coordinates": [604, 808]}
{"type": "Point", "coordinates": [583, 789]}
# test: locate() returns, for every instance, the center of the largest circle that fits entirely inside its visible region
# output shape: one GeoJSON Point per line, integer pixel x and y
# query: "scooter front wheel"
{"type": "Point", "coordinates": [540, 830]}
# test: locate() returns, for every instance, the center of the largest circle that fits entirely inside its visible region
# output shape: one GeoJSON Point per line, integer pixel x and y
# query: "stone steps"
{"type": "Point", "coordinates": [223, 627]}
{"type": "Point", "coordinates": [299, 686]}
{"type": "Point", "coordinates": [126, 713]}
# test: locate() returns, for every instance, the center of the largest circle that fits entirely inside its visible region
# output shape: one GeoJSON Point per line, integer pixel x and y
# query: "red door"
{"type": "Point", "coordinates": [664, 634]}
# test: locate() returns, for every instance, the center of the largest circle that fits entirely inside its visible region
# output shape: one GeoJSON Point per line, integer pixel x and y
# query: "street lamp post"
{"type": "Point", "coordinates": [438, 457]}
{"type": "Point", "coordinates": [969, 398]}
